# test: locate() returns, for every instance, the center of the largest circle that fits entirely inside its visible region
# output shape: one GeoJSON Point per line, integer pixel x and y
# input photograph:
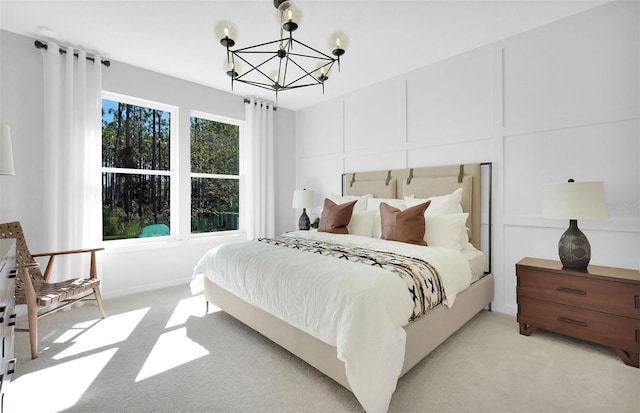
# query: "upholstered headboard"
{"type": "Point", "coordinates": [423, 183]}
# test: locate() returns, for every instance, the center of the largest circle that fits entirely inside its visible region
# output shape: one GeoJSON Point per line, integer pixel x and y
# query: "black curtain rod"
{"type": "Point", "coordinates": [41, 45]}
{"type": "Point", "coordinates": [275, 108]}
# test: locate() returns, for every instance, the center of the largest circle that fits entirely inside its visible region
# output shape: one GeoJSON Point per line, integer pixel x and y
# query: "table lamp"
{"type": "Point", "coordinates": [573, 201]}
{"type": "Point", "coordinates": [304, 199]}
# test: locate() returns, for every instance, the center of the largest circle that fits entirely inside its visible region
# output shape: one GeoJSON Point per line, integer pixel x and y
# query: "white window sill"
{"type": "Point", "coordinates": [141, 244]}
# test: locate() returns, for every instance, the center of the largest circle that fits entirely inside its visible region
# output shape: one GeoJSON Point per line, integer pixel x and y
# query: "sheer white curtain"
{"type": "Point", "coordinates": [258, 190]}
{"type": "Point", "coordinates": [72, 153]}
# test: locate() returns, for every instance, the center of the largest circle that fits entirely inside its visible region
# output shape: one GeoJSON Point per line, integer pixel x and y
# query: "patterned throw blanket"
{"type": "Point", "coordinates": [423, 280]}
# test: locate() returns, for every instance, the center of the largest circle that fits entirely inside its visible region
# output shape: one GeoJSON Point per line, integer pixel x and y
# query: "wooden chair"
{"type": "Point", "coordinates": [34, 289]}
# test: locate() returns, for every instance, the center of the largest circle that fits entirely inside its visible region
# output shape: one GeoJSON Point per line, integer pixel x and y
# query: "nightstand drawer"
{"type": "Point", "coordinates": [603, 295]}
{"type": "Point", "coordinates": [594, 326]}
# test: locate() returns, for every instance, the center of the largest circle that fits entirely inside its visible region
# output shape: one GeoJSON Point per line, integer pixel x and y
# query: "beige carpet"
{"type": "Point", "coordinates": [158, 352]}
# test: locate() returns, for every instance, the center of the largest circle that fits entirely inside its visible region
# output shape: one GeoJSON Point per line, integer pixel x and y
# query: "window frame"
{"type": "Point", "coordinates": [240, 177]}
{"type": "Point", "coordinates": [172, 173]}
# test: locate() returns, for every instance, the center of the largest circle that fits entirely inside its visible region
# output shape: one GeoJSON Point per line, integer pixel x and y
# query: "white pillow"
{"type": "Point", "coordinates": [446, 230]}
{"type": "Point", "coordinates": [465, 244]}
{"type": "Point", "coordinates": [361, 200]}
{"type": "Point", "coordinates": [373, 204]}
{"type": "Point", "coordinates": [469, 246]}
{"type": "Point", "coordinates": [362, 223]}
{"type": "Point", "coordinates": [443, 205]}
{"type": "Point", "coordinates": [440, 205]}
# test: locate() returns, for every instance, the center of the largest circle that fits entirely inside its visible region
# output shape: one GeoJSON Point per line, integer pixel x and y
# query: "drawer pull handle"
{"type": "Point", "coordinates": [12, 366]}
{"type": "Point", "coordinates": [637, 301]}
{"type": "Point", "coordinates": [3, 309]}
{"type": "Point", "coordinates": [570, 321]}
{"type": "Point", "coordinates": [12, 273]}
{"type": "Point", "coordinates": [12, 320]}
{"type": "Point", "coordinates": [571, 291]}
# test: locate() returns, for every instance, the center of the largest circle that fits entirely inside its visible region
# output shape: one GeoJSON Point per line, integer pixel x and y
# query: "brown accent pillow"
{"type": "Point", "coordinates": [335, 217]}
{"type": "Point", "coordinates": [404, 226]}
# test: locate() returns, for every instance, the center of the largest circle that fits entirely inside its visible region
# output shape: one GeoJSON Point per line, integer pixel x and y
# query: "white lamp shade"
{"type": "Point", "coordinates": [6, 152]}
{"type": "Point", "coordinates": [575, 200]}
{"type": "Point", "coordinates": [303, 199]}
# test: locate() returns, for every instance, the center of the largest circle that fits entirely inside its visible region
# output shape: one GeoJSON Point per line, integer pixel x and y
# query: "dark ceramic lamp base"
{"type": "Point", "coordinates": [304, 223]}
{"type": "Point", "coordinates": [574, 248]}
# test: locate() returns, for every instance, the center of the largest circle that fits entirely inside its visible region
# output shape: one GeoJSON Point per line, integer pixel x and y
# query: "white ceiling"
{"type": "Point", "coordinates": [386, 38]}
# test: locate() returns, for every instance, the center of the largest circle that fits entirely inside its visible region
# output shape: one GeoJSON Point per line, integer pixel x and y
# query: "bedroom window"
{"type": "Point", "coordinates": [136, 168]}
{"type": "Point", "coordinates": [215, 174]}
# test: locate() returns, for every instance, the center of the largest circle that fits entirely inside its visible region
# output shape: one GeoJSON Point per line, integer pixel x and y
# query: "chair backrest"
{"type": "Point", "coordinates": [23, 256]}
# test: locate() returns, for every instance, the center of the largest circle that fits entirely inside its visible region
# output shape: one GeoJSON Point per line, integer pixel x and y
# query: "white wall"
{"type": "Point", "coordinates": [125, 269]}
{"type": "Point", "coordinates": [561, 101]}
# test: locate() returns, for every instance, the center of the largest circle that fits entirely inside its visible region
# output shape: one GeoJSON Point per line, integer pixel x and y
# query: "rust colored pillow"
{"type": "Point", "coordinates": [335, 217]}
{"type": "Point", "coordinates": [404, 226]}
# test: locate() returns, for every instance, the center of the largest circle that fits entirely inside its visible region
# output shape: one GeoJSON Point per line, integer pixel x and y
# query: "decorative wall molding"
{"type": "Point", "coordinates": [546, 137]}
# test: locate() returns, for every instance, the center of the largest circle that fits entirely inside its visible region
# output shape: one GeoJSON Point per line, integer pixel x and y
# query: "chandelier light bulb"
{"type": "Point", "coordinates": [275, 78]}
{"type": "Point", "coordinates": [322, 77]}
{"type": "Point", "coordinates": [338, 43]}
{"type": "Point", "coordinates": [292, 16]}
{"type": "Point", "coordinates": [231, 68]}
{"type": "Point", "coordinates": [225, 31]}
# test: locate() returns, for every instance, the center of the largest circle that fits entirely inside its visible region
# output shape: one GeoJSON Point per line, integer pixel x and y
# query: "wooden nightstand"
{"type": "Point", "coordinates": [599, 304]}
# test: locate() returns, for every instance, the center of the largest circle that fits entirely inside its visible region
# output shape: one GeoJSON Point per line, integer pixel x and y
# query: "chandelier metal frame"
{"type": "Point", "coordinates": [312, 66]}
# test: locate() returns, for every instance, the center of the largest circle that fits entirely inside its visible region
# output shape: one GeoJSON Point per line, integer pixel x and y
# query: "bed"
{"type": "Point", "coordinates": [370, 374]}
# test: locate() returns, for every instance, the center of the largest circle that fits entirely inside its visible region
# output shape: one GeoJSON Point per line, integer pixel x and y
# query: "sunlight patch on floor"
{"type": "Point", "coordinates": [113, 329]}
{"type": "Point", "coordinates": [61, 385]}
{"type": "Point", "coordinates": [74, 331]}
{"type": "Point", "coordinates": [171, 350]}
{"type": "Point", "coordinates": [187, 307]}
{"type": "Point", "coordinates": [213, 309]}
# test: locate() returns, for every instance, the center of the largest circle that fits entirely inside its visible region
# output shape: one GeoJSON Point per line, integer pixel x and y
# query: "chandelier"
{"type": "Point", "coordinates": [282, 64]}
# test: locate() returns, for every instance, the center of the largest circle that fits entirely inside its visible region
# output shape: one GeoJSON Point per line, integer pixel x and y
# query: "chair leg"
{"type": "Point", "coordinates": [96, 290]}
{"type": "Point", "coordinates": [32, 313]}
{"type": "Point", "coordinates": [32, 308]}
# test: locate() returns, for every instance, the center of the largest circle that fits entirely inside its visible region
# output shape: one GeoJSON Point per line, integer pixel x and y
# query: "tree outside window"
{"type": "Point", "coordinates": [215, 174]}
{"type": "Point", "coordinates": [136, 170]}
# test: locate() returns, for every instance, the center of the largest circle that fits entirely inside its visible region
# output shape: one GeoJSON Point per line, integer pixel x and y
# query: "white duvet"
{"type": "Point", "coordinates": [356, 308]}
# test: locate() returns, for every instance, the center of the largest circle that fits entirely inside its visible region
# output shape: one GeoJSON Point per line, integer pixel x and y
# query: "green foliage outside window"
{"type": "Point", "coordinates": [136, 138]}
{"type": "Point", "coordinates": [215, 150]}
{"type": "Point", "coordinates": [136, 186]}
